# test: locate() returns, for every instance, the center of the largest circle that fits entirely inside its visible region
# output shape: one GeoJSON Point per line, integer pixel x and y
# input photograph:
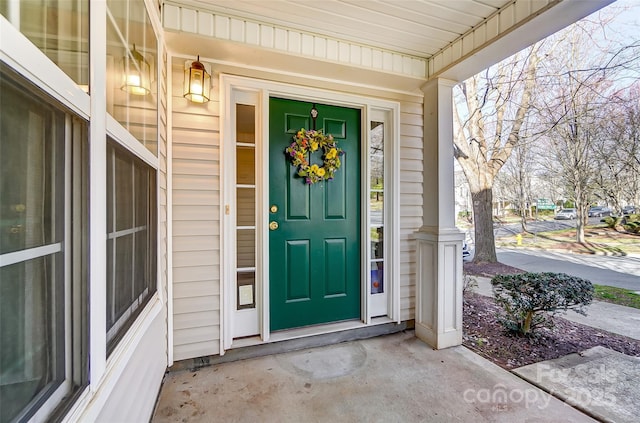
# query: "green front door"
{"type": "Point", "coordinates": [315, 250]}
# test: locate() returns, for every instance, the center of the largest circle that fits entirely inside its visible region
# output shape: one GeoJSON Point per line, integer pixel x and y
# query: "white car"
{"type": "Point", "coordinates": [466, 253]}
{"type": "Point", "coordinates": [566, 214]}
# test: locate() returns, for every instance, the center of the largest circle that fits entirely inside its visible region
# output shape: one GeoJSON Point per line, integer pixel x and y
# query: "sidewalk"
{"type": "Point", "coordinates": [599, 381]}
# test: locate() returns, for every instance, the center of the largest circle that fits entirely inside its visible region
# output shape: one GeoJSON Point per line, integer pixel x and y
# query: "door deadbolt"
{"type": "Point", "coordinates": [273, 208]}
{"type": "Point", "coordinates": [273, 225]}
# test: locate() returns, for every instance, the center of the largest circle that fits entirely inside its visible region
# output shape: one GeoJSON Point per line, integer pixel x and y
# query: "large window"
{"type": "Point", "coordinates": [131, 239]}
{"type": "Point", "coordinates": [60, 28]}
{"type": "Point", "coordinates": [132, 52]}
{"type": "Point", "coordinates": [43, 280]}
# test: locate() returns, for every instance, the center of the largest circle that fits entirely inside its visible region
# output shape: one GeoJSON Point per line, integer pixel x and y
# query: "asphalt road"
{"type": "Point", "coordinates": [512, 229]}
{"type": "Point", "coordinates": [619, 271]}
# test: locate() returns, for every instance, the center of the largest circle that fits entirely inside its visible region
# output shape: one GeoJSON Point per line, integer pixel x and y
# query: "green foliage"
{"type": "Point", "coordinates": [631, 223]}
{"type": "Point", "coordinates": [632, 227]}
{"type": "Point", "coordinates": [464, 214]}
{"type": "Point", "coordinates": [611, 221]}
{"type": "Point", "coordinates": [528, 299]}
{"type": "Point", "coordinates": [547, 213]}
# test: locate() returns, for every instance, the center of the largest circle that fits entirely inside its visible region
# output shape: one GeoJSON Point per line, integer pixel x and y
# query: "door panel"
{"type": "Point", "coordinates": [335, 259]}
{"type": "Point", "coordinates": [315, 251]}
{"type": "Point", "coordinates": [299, 271]}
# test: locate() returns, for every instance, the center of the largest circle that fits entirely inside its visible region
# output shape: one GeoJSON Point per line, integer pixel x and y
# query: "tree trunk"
{"type": "Point", "coordinates": [523, 220]}
{"type": "Point", "coordinates": [580, 224]}
{"type": "Point", "coordinates": [526, 327]}
{"type": "Point", "coordinates": [485, 247]}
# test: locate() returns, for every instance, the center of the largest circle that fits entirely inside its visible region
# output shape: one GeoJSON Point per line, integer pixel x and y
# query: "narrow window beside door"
{"type": "Point", "coordinates": [246, 207]}
{"type": "Point", "coordinates": [376, 201]}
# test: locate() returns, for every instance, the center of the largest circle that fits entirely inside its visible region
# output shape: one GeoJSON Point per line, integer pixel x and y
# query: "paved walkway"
{"type": "Point", "coordinates": [601, 382]}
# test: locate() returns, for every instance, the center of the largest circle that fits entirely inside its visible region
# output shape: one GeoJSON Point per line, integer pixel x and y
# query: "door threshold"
{"type": "Point", "coordinates": [293, 340]}
{"type": "Point", "coordinates": [307, 331]}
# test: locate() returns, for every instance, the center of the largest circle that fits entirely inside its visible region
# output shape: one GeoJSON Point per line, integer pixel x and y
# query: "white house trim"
{"type": "Point", "coordinates": [98, 194]}
{"type": "Point", "coordinates": [24, 57]}
{"type": "Point", "coordinates": [514, 27]}
{"type": "Point", "coordinates": [261, 91]}
{"type": "Point", "coordinates": [439, 242]}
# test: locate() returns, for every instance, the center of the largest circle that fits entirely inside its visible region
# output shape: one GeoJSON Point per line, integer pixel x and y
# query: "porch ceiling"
{"type": "Point", "coordinates": [418, 28]}
{"type": "Point", "coordinates": [395, 44]}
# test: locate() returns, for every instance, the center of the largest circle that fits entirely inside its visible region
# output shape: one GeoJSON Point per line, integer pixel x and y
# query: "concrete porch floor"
{"type": "Point", "coordinates": [392, 378]}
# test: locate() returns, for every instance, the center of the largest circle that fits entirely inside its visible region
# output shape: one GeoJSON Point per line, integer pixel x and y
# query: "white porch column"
{"type": "Point", "coordinates": [439, 242]}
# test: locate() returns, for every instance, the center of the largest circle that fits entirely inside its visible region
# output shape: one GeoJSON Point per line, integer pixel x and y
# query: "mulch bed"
{"type": "Point", "coordinates": [489, 270]}
{"type": "Point", "coordinates": [483, 334]}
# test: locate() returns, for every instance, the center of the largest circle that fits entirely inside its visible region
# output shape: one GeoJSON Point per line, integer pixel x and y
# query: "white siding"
{"type": "Point", "coordinates": [196, 216]}
{"type": "Point", "coordinates": [196, 223]}
{"type": "Point", "coordinates": [411, 199]}
{"type": "Point", "coordinates": [135, 386]}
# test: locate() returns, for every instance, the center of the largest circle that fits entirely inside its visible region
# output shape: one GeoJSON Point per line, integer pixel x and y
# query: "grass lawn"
{"type": "Point", "coordinates": [618, 296]}
{"type": "Point", "coordinates": [598, 239]}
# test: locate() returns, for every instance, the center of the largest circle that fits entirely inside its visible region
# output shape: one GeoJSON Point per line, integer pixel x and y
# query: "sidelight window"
{"type": "Point", "coordinates": [246, 206]}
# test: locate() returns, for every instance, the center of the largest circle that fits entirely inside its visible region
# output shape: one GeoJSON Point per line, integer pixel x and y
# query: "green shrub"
{"type": "Point", "coordinates": [528, 299]}
{"type": "Point", "coordinates": [632, 227]}
{"type": "Point", "coordinates": [611, 221]}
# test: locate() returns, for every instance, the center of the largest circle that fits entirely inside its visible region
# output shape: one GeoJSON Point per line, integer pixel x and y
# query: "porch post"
{"type": "Point", "coordinates": [439, 242]}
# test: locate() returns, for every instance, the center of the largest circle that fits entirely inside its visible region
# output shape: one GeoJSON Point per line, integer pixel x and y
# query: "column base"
{"type": "Point", "coordinates": [439, 287]}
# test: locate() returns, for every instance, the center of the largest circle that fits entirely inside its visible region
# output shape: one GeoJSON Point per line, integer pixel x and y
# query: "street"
{"type": "Point", "coordinates": [619, 271]}
{"type": "Point", "coordinates": [500, 230]}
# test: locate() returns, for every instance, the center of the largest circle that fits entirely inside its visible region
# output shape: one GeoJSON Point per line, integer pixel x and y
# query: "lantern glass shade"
{"type": "Point", "coordinates": [136, 73]}
{"type": "Point", "coordinates": [197, 82]}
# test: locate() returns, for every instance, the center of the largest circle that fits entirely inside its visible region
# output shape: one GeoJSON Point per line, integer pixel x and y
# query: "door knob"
{"type": "Point", "coordinates": [273, 225]}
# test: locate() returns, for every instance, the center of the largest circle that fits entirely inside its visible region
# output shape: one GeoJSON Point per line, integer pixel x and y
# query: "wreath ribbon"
{"type": "Point", "coordinates": [306, 142]}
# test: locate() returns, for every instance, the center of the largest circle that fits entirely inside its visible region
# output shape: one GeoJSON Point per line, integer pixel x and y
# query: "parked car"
{"type": "Point", "coordinates": [466, 253]}
{"type": "Point", "coordinates": [629, 210]}
{"type": "Point", "coordinates": [566, 214]}
{"type": "Point", "coordinates": [599, 211]}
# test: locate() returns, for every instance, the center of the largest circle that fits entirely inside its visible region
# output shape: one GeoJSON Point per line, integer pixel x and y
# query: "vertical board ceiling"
{"type": "Point", "coordinates": [418, 28]}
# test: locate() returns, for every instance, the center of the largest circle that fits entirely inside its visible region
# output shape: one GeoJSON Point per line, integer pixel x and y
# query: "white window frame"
{"type": "Point", "coordinates": [29, 62]}
{"type": "Point", "coordinates": [114, 129]}
{"type": "Point", "coordinates": [114, 235]}
{"type": "Point", "coordinates": [380, 304]}
{"type": "Point", "coordinates": [371, 109]}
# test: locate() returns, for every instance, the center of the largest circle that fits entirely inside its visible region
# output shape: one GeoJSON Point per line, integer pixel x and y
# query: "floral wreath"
{"type": "Point", "coordinates": [306, 142]}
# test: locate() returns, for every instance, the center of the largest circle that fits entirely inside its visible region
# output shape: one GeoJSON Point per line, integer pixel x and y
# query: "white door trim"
{"type": "Point", "coordinates": [261, 91]}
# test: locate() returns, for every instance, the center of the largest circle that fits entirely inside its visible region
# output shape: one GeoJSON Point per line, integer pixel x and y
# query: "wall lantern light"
{"type": "Point", "coordinates": [197, 82]}
{"type": "Point", "coordinates": [137, 73]}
